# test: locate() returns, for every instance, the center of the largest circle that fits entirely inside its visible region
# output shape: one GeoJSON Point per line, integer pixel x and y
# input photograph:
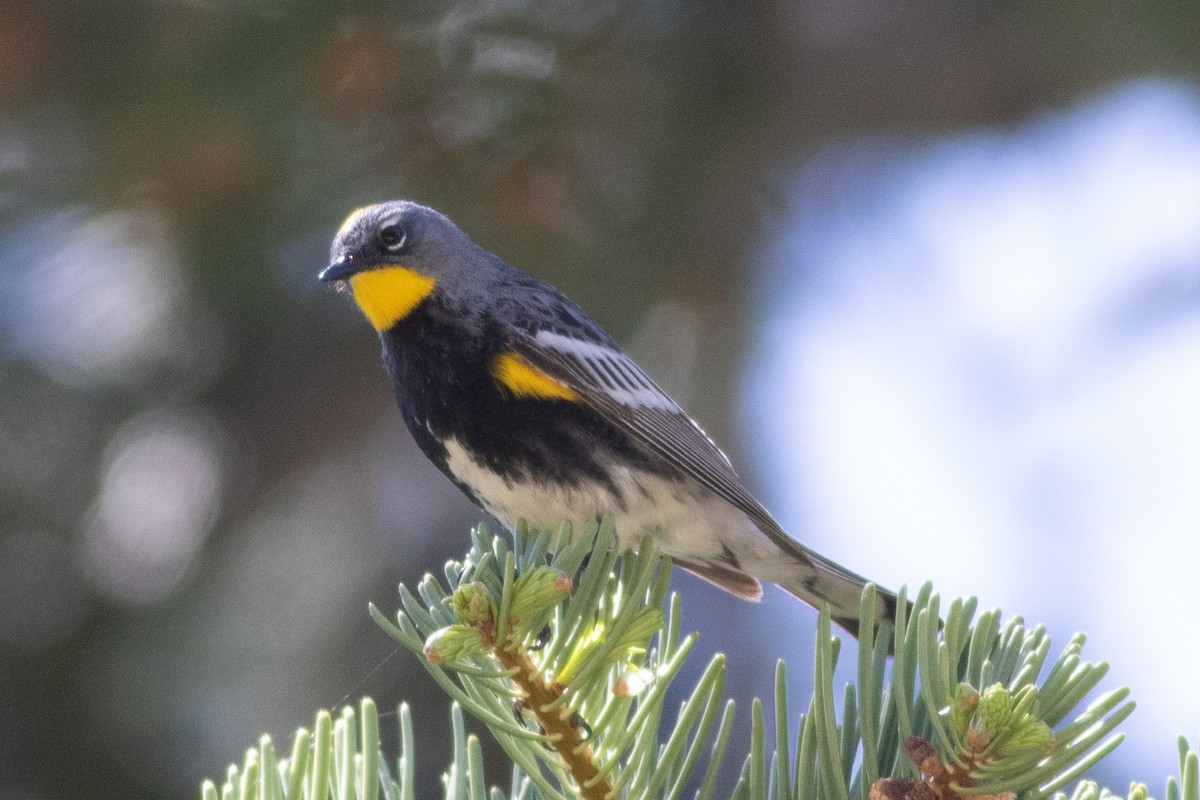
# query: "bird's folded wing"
{"type": "Point", "coordinates": [612, 384]}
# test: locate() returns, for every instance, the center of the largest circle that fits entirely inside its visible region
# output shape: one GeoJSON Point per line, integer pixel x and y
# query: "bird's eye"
{"type": "Point", "coordinates": [392, 236]}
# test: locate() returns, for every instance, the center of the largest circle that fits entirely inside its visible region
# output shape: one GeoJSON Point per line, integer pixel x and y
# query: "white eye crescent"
{"type": "Point", "coordinates": [392, 236]}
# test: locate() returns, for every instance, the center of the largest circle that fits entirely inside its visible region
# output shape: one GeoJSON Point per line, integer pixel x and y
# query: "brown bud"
{"type": "Point", "coordinates": [891, 788]}
{"type": "Point", "coordinates": [902, 789]}
{"type": "Point", "coordinates": [924, 756]}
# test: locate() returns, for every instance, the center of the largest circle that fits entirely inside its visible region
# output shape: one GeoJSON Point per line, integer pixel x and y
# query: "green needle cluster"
{"type": "Point", "coordinates": [563, 649]}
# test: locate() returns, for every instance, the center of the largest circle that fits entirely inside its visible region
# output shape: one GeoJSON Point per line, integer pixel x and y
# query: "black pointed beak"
{"type": "Point", "coordinates": [338, 271]}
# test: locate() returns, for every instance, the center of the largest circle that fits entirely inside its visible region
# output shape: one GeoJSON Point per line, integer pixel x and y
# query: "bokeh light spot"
{"type": "Point", "coordinates": [158, 499]}
{"type": "Point", "coordinates": [99, 301]}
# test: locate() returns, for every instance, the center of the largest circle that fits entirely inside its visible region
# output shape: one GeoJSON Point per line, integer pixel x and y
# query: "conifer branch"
{"type": "Point", "coordinates": [564, 651]}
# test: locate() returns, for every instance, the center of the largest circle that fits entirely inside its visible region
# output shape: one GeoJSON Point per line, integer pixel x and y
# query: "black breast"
{"type": "Point", "coordinates": [439, 367]}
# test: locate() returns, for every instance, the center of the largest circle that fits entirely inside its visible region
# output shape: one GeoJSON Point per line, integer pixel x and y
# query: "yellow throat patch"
{"type": "Point", "coordinates": [522, 379]}
{"type": "Point", "coordinates": [388, 295]}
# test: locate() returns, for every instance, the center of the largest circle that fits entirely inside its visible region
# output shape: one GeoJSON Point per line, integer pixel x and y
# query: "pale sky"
{"type": "Point", "coordinates": [980, 365]}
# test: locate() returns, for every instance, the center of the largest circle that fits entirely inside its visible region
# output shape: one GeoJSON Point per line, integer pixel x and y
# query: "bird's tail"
{"type": "Point", "coordinates": [805, 574]}
{"type": "Point", "coordinates": [816, 580]}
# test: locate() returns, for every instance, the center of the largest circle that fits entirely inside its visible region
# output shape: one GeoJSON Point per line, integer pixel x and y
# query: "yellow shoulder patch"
{"type": "Point", "coordinates": [516, 375]}
{"type": "Point", "coordinates": [388, 295]}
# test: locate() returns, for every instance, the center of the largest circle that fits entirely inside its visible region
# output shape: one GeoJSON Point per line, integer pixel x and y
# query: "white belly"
{"type": "Point", "coordinates": [685, 519]}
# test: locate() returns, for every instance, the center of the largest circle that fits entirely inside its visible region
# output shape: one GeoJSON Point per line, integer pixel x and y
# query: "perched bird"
{"type": "Point", "coordinates": [536, 413]}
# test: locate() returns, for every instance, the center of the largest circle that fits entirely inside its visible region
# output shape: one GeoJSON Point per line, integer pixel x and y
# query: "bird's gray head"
{"type": "Point", "coordinates": [395, 254]}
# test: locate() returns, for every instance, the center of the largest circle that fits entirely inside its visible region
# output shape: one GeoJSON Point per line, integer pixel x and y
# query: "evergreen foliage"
{"type": "Point", "coordinates": [564, 650]}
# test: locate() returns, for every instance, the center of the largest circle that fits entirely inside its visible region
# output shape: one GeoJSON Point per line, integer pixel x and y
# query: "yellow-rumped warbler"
{"type": "Point", "coordinates": [535, 412]}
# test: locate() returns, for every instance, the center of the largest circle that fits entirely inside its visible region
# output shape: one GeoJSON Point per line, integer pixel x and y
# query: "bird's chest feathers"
{"type": "Point", "coordinates": [438, 367]}
{"type": "Point", "coordinates": [440, 360]}
{"type": "Point", "coordinates": [388, 295]}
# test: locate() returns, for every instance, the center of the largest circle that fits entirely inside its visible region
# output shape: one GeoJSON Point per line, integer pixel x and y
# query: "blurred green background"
{"type": "Point", "coordinates": [203, 480]}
